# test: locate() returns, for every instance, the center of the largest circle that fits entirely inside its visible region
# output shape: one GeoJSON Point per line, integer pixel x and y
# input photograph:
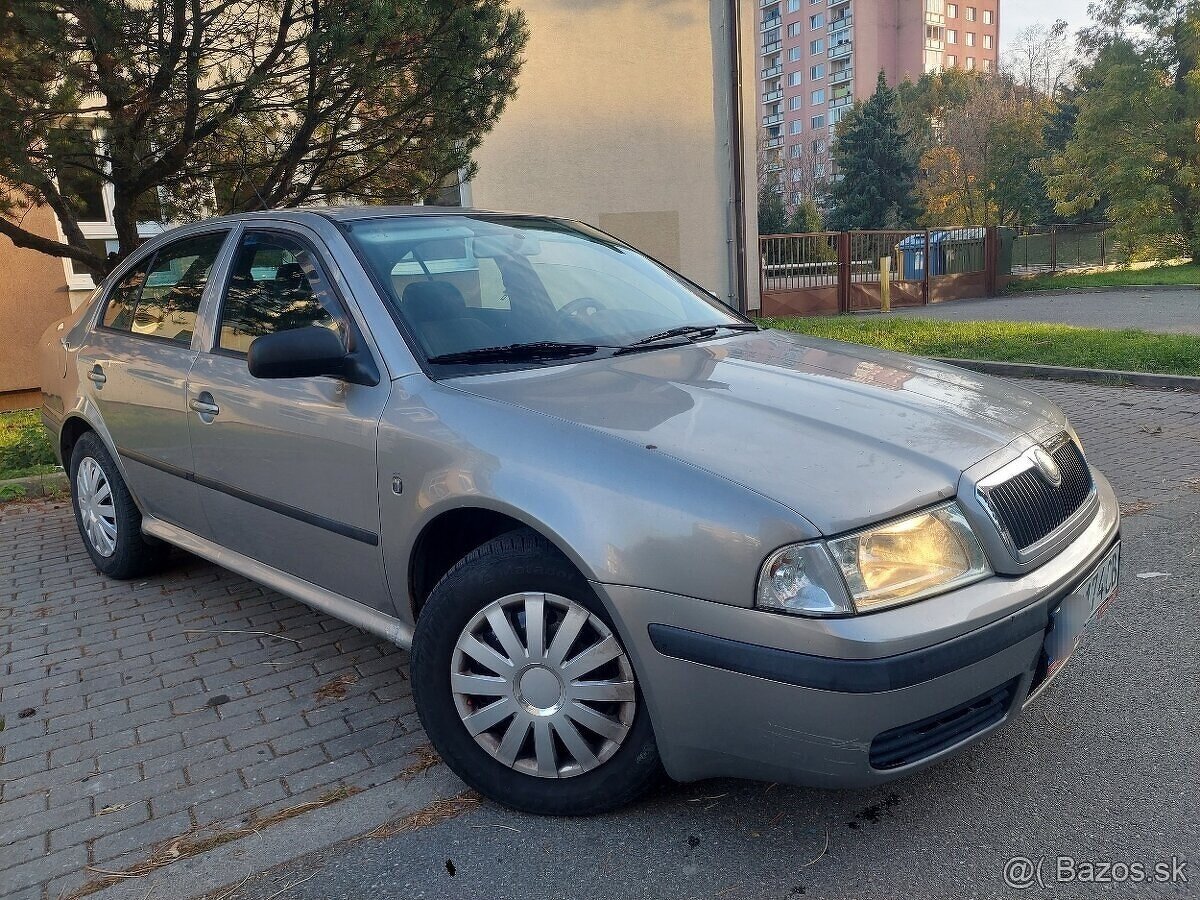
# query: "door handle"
{"type": "Point", "coordinates": [96, 375]}
{"type": "Point", "coordinates": [205, 406]}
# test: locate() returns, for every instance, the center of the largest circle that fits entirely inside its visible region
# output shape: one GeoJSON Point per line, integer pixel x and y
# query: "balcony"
{"type": "Point", "coordinates": [765, 3]}
{"type": "Point", "coordinates": [776, 119]}
{"type": "Point", "coordinates": [772, 72]}
{"type": "Point", "coordinates": [842, 75]}
{"type": "Point", "coordinates": [842, 50]}
{"type": "Point", "coordinates": [844, 21]}
{"type": "Point", "coordinates": [772, 22]}
{"type": "Point", "coordinates": [844, 100]}
{"type": "Point", "coordinates": [772, 96]}
{"type": "Point", "coordinates": [772, 143]}
{"type": "Point", "coordinates": [833, 3]}
{"type": "Point", "coordinates": [773, 47]}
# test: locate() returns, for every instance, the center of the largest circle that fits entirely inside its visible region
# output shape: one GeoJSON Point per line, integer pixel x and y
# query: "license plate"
{"type": "Point", "coordinates": [1078, 609]}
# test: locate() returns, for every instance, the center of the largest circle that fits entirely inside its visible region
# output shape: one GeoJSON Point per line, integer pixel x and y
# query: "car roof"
{"type": "Point", "coordinates": [352, 213]}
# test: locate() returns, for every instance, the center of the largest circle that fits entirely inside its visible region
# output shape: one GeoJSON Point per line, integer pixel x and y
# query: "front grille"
{"type": "Point", "coordinates": [1030, 507]}
{"type": "Point", "coordinates": [913, 742]}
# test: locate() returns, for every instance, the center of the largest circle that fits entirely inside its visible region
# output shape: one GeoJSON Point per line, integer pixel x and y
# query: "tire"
{"type": "Point", "coordinates": [506, 577]}
{"type": "Point", "coordinates": [109, 522]}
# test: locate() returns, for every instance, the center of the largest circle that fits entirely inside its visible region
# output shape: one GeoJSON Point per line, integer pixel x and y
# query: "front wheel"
{"type": "Point", "coordinates": [524, 687]}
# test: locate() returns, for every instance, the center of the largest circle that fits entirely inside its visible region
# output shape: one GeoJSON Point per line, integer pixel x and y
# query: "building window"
{"type": "Point", "coordinates": [794, 29]}
{"type": "Point", "coordinates": [817, 122]}
{"type": "Point", "coordinates": [796, 102]}
{"type": "Point", "coordinates": [793, 54]}
{"type": "Point", "coordinates": [817, 72]}
{"type": "Point", "coordinates": [987, 65]}
{"type": "Point", "coordinates": [970, 14]}
{"type": "Point", "coordinates": [970, 63]}
{"type": "Point", "coordinates": [951, 61]}
{"type": "Point", "coordinates": [77, 153]}
{"type": "Point", "coordinates": [988, 17]}
{"type": "Point", "coordinates": [795, 127]}
{"type": "Point", "coordinates": [818, 97]}
{"type": "Point", "coordinates": [951, 36]}
{"type": "Point", "coordinates": [793, 79]}
{"type": "Point", "coordinates": [970, 39]}
{"type": "Point", "coordinates": [817, 46]}
{"type": "Point", "coordinates": [793, 5]}
{"type": "Point", "coordinates": [951, 10]}
{"type": "Point", "coordinates": [933, 34]}
{"type": "Point", "coordinates": [987, 41]}
{"type": "Point", "coordinates": [817, 21]}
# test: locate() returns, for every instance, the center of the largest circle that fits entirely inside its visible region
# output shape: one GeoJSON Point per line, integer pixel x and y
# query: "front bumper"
{"type": "Point", "coordinates": [743, 693]}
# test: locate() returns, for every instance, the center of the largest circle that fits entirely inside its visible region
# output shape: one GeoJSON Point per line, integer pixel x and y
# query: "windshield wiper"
{"type": "Point", "coordinates": [533, 350]}
{"type": "Point", "coordinates": [690, 332]}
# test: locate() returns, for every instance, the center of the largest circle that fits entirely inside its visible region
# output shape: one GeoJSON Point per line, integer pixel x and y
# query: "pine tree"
{"type": "Point", "coordinates": [878, 174]}
{"type": "Point", "coordinates": [772, 214]}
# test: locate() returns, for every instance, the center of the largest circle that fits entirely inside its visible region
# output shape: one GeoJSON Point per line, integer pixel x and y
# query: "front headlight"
{"type": "Point", "coordinates": [898, 562]}
{"type": "Point", "coordinates": [928, 553]}
{"type": "Point", "coordinates": [802, 579]}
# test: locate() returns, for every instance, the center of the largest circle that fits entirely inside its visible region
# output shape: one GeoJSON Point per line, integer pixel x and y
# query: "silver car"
{"type": "Point", "coordinates": [622, 529]}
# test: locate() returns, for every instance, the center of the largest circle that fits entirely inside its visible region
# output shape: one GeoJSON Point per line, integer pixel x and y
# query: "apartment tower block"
{"type": "Point", "coordinates": [820, 56]}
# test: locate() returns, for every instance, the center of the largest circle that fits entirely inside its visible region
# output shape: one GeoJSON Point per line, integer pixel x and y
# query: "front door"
{"type": "Point", "coordinates": [287, 467]}
{"type": "Point", "coordinates": [136, 363]}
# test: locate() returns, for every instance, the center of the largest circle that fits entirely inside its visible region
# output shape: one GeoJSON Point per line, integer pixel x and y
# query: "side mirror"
{"type": "Point", "coordinates": [308, 353]}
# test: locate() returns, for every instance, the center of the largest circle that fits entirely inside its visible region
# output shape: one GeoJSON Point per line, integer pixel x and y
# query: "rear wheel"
{"type": "Point", "coordinates": [109, 521]}
{"type": "Point", "coordinates": [524, 687]}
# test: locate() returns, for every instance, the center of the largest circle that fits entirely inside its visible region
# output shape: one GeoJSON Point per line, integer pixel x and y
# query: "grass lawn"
{"type": "Point", "coordinates": [24, 446]}
{"type": "Point", "coordinates": [1180, 274]}
{"type": "Point", "coordinates": [1027, 342]}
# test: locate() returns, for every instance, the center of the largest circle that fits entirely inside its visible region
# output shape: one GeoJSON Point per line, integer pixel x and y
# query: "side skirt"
{"type": "Point", "coordinates": [350, 611]}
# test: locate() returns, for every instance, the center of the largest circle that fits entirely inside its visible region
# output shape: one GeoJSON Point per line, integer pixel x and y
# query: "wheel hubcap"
{"type": "Point", "coordinates": [97, 516]}
{"type": "Point", "coordinates": [543, 685]}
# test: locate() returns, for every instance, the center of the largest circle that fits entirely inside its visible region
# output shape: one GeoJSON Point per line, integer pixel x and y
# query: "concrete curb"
{"type": "Point", "coordinates": [35, 485]}
{"type": "Point", "coordinates": [311, 832]}
{"type": "Point", "coordinates": [1105, 289]}
{"type": "Point", "coordinates": [1109, 377]}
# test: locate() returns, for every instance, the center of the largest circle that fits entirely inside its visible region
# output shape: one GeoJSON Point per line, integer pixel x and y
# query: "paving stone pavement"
{"type": "Point", "coordinates": [136, 712]}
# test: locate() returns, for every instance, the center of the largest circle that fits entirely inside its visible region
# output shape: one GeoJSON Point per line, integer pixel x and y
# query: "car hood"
{"type": "Point", "coordinates": [842, 434]}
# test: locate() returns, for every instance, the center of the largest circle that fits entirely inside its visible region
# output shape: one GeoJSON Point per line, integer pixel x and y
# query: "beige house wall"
{"type": "Point", "coordinates": [33, 293]}
{"type": "Point", "coordinates": [622, 120]}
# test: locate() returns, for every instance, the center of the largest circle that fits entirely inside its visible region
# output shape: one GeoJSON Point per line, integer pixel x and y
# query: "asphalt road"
{"type": "Point", "coordinates": [1173, 311]}
{"type": "Point", "coordinates": [1104, 768]}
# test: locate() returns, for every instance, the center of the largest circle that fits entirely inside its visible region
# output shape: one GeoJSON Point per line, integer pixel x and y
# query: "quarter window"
{"type": "Point", "coordinates": [160, 299]}
{"type": "Point", "coordinates": [275, 285]}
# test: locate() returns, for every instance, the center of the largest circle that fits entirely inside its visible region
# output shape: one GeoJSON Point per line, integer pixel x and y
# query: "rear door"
{"type": "Point", "coordinates": [134, 367]}
{"type": "Point", "coordinates": [287, 468]}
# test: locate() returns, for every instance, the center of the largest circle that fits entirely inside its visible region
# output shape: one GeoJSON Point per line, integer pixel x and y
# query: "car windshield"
{"type": "Point", "coordinates": [505, 291]}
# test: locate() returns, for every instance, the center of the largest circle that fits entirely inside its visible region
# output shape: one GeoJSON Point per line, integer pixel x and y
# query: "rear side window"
{"type": "Point", "coordinates": [275, 285]}
{"type": "Point", "coordinates": [161, 297]}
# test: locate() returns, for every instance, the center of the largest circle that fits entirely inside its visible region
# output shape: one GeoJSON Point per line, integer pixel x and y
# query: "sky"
{"type": "Point", "coordinates": [1017, 14]}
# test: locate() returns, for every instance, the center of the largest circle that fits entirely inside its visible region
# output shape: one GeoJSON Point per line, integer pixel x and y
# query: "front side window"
{"type": "Point", "coordinates": [817, 46]}
{"type": "Point", "coordinates": [467, 283]}
{"type": "Point", "coordinates": [161, 298]}
{"type": "Point", "coordinates": [275, 284]}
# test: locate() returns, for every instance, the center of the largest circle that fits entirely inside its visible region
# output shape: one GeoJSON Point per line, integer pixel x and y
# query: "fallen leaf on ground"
{"type": "Point", "coordinates": [336, 689]}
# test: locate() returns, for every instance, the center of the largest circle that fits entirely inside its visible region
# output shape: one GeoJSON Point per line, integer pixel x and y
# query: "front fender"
{"type": "Point", "coordinates": [624, 513]}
